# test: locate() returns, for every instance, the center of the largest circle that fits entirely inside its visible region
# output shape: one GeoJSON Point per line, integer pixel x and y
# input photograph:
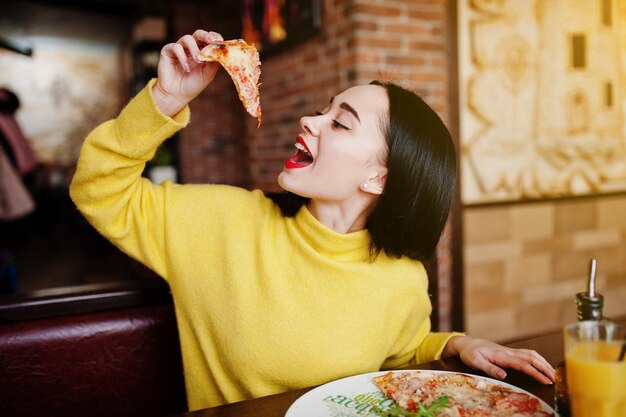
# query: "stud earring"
{"type": "Point", "coordinates": [365, 185]}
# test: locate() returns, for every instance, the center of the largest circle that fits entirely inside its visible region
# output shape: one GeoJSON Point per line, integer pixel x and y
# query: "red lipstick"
{"type": "Point", "coordinates": [301, 158]}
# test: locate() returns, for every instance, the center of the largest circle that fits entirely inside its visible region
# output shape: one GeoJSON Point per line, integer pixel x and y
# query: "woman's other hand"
{"type": "Point", "coordinates": [181, 77]}
{"type": "Point", "coordinates": [490, 358]}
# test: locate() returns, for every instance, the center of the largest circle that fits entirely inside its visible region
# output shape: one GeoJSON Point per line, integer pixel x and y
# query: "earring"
{"type": "Point", "coordinates": [365, 185]}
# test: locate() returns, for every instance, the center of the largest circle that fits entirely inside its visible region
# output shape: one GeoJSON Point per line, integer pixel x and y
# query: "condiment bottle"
{"type": "Point", "coordinates": [589, 306]}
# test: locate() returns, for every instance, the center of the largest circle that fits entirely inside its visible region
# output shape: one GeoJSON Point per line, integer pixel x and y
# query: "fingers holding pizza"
{"type": "Point", "coordinates": [180, 75]}
{"type": "Point", "coordinates": [188, 66]}
{"type": "Point", "coordinates": [490, 358]}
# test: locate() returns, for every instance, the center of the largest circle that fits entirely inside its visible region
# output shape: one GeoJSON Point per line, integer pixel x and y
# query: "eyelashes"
{"type": "Point", "coordinates": [335, 124]}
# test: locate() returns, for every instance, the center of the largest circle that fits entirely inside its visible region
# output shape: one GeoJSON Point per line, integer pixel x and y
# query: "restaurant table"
{"type": "Point", "coordinates": [550, 346]}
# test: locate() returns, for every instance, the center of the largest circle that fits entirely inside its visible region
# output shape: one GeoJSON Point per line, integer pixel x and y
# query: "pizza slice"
{"type": "Point", "coordinates": [452, 395]}
{"type": "Point", "coordinates": [241, 60]}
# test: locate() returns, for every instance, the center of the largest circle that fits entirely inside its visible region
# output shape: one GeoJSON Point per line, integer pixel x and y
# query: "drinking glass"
{"type": "Point", "coordinates": [595, 368]}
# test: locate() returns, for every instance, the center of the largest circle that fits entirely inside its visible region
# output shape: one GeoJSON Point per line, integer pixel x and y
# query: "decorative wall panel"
{"type": "Point", "coordinates": [542, 98]}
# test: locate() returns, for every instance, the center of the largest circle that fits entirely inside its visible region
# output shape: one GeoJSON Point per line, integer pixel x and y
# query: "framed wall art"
{"type": "Point", "coordinates": [276, 25]}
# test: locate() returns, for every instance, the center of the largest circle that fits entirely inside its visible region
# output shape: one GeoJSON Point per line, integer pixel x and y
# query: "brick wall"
{"type": "Point", "coordinates": [361, 40]}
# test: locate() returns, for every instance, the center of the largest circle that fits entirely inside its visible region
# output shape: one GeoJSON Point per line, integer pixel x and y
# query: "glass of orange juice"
{"type": "Point", "coordinates": [596, 377]}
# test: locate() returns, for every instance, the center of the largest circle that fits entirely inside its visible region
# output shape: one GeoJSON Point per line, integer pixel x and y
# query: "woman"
{"type": "Point", "coordinates": [269, 301]}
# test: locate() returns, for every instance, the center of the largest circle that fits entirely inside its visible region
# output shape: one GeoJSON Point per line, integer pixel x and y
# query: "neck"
{"type": "Point", "coordinates": [342, 217]}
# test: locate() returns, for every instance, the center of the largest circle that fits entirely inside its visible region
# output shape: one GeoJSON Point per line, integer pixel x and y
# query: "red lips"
{"type": "Point", "coordinates": [300, 159]}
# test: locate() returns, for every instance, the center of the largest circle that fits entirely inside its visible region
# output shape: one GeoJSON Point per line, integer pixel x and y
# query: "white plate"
{"type": "Point", "coordinates": [354, 396]}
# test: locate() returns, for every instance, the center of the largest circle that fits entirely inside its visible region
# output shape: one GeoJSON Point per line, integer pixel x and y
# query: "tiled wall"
{"type": "Point", "coordinates": [524, 263]}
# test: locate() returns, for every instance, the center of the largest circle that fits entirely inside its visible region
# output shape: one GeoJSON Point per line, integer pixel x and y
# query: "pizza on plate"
{"type": "Point", "coordinates": [241, 60]}
{"type": "Point", "coordinates": [455, 395]}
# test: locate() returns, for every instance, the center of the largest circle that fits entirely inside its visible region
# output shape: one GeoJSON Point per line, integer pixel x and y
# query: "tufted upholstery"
{"type": "Point", "coordinates": [122, 362]}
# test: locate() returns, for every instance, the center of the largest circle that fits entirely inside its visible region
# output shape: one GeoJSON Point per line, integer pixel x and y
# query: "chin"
{"type": "Point", "coordinates": [281, 181]}
{"type": "Point", "coordinates": [284, 183]}
{"type": "Point", "coordinates": [288, 185]}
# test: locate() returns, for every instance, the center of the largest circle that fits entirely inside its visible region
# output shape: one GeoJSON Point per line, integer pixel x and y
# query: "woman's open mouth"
{"type": "Point", "coordinates": [302, 158]}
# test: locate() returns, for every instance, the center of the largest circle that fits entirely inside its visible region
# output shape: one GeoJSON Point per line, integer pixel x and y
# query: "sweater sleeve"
{"type": "Point", "coordinates": [108, 188]}
{"type": "Point", "coordinates": [425, 346]}
{"type": "Point", "coordinates": [432, 346]}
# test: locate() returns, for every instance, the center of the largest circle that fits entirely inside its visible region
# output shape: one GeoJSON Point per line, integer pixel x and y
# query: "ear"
{"type": "Point", "coordinates": [376, 183]}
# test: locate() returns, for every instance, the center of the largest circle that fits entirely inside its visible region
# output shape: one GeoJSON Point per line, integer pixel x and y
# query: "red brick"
{"type": "Point", "coordinates": [410, 60]}
{"type": "Point", "coordinates": [428, 15]}
{"type": "Point", "coordinates": [365, 25]}
{"type": "Point", "coordinates": [391, 11]}
{"type": "Point", "coordinates": [405, 29]}
{"type": "Point", "coordinates": [382, 43]}
{"type": "Point", "coordinates": [430, 77]}
{"type": "Point", "coordinates": [434, 45]}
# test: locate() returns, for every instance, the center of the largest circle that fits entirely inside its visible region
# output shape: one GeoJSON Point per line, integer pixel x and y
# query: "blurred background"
{"type": "Point", "coordinates": [532, 91]}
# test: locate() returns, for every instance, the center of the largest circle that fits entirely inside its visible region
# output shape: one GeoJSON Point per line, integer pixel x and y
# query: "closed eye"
{"type": "Point", "coordinates": [335, 123]}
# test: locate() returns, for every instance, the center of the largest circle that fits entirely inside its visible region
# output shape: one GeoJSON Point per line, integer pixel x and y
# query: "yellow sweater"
{"type": "Point", "coordinates": [264, 303]}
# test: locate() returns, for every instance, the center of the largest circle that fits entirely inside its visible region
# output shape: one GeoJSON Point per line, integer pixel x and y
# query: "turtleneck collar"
{"type": "Point", "coordinates": [328, 243]}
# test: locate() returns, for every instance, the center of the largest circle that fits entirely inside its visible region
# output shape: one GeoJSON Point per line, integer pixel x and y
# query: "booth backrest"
{"type": "Point", "coordinates": [123, 361]}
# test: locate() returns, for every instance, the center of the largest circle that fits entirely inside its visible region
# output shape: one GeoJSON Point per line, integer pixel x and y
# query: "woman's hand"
{"type": "Point", "coordinates": [489, 357]}
{"type": "Point", "coordinates": [181, 77]}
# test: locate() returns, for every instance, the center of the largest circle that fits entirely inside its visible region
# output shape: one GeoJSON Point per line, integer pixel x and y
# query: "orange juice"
{"type": "Point", "coordinates": [596, 381]}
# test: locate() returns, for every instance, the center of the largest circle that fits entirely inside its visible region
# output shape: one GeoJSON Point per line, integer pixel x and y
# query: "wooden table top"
{"type": "Point", "coordinates": [550, 346]}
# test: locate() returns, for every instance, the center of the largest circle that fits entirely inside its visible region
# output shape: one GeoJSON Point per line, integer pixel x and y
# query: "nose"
{"type": "Point", "coordinates": [309, 125]}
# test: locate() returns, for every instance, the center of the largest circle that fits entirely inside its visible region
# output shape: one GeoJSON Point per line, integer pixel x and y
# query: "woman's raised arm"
{"type": "Point", "coordinates": [108, 187]}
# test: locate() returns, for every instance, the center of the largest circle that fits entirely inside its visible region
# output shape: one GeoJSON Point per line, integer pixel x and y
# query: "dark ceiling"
{"type": "Point", "coordinates": [127, 8]}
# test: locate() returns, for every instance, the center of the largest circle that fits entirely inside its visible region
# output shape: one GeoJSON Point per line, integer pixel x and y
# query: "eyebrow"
{"type": "Point", "coordinates": [347, 107]}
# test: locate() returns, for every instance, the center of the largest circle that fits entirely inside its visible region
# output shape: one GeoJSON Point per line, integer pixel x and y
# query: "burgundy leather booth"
{"type": "Point", "coordinates": [102, 353]}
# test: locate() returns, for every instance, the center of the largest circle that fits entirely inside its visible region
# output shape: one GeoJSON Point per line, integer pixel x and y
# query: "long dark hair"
{"type": "Point", "coordinates": [408, 218]}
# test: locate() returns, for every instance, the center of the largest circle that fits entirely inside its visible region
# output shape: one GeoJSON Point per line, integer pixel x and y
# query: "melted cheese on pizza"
{"type": "Point", "coordinates": [241, 61]}
{"type": "Point", "coordinates": [467, 396]}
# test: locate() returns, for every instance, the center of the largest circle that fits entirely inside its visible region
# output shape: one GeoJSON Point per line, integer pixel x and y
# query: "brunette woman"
{"type": "Point", "coordinates": [326, 283]}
